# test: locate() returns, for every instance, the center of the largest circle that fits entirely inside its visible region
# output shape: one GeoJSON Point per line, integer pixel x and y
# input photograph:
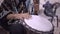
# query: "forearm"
{"type": "Point", "coordinates": [17, 16]}
{"type": "Point", "coordinates": [14, 16]}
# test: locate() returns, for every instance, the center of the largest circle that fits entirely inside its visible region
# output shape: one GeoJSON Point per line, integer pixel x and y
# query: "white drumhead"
{"type": "Point", "coordinates": [39, 23]}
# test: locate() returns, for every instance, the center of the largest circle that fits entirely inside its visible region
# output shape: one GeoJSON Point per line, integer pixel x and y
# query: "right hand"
{"type": "Point", "coordinates": [22, 16]}
{"type": "Point", "coordinates": [18, 16]}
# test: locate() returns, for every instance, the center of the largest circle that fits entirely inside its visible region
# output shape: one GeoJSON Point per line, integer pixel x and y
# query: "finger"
{"type": "Point", "coordinates": [30, 16]}
{"type": "Point", "coordinates": [27, 17]}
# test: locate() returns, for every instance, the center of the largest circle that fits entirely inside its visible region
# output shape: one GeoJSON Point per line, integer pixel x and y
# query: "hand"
{"type": "Point", "coordinates": [18, 16]}
{"type": "Point", "coordinates": [14, 16]}
{"type": "Point", "coordinates": [26, 16]}
{"type": "Point", "coordinates": [22, 16]}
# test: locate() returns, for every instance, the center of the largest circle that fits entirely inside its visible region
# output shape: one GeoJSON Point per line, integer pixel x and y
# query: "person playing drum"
{"type": "Point", "coordinates": [6, 15]}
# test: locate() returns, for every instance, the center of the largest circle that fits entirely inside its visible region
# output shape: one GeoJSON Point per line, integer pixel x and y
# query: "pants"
{"type": "Point", "coordinates": [17, 29]}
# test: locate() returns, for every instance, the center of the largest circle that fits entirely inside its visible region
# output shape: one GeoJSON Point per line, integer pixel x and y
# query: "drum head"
{"type": "Point", "coordinates": [39, 23]}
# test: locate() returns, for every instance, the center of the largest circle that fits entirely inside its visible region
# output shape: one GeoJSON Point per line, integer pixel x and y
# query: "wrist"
{"type": "Point", "coordinates": [10, 16]}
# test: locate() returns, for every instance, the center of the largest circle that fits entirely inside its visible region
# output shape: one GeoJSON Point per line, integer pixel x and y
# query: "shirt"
{"type": "Point", "coordinates": [7, 6]}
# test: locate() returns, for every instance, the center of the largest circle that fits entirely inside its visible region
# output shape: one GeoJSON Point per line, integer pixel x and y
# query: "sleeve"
{"type": "Point", "coordinates": [3, 15]}
{"type": "Point", "coordinates": [3, 19]}
{"type": "Point", "coordinates": [5, 10]}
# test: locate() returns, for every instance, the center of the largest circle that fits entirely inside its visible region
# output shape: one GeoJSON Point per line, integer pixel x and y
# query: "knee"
{"type": "Point", "coordinates": [17, 27]}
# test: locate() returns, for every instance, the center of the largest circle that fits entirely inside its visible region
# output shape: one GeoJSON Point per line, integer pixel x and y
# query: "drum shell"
{"type": "Point", "coordinates": [31, 30]}
{"type": "Point", "coordinates": [41, 32]}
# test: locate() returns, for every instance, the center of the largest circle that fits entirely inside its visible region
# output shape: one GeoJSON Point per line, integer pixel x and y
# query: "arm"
{"type": "Point", "coordinates": [18, 16]}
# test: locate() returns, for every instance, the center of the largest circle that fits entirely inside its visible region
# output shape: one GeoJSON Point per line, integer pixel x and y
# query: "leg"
{"type": "Point", "coordinates": [17, 29]}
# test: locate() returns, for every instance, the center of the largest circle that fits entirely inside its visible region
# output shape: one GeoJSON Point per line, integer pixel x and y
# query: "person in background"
{"type": "Point", "coordinates": [48, 8]}
{"type": "Point", "coordinates": [48, 11]}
